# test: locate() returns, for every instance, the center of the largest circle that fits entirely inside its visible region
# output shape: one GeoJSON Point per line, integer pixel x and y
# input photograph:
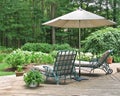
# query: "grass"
{"type": "Point", "coordinates": [3, 66]}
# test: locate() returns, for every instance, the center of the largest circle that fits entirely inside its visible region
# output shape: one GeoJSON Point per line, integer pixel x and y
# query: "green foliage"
{"type": "Point", "coordinates": [19, 68]}
{"type": "Point", "coordinates": [42, 47]}
{"type": "Point", "coordinates": [3, 49]}
{"type": "Point", "coordinates": [116, 58]}
{"type": "Point", "coordinates": [42, 58]}
{"type": "Point", "coordinates": [15, 58]}
{"type": "Point", "coordinates": [85, 56]}
{"type": "Point", "coordinates": [33, 76]}
{"type": "Point", "coordinates": [21, 20]}
{"type": "Point", "coordinates": [103, 40]}
{"type": "Point", "coordinates": [45, 47]}
{"type": "Point", "coordinates": [53, 53]}
{"type": "Point", "coordinates": [2, 56]}
{"type": "Point", "coordinates": [20, 58]}
{"type": "Point", "coordinates": [15, 21]}
{"type": "Point", "coordinates": [61, 47]}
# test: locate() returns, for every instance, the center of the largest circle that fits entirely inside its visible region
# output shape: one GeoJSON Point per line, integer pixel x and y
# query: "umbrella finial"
{"type": "Point", "coordinates": [80, 8]}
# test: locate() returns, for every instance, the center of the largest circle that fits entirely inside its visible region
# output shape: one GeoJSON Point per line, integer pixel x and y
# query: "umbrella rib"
{"type": "Point", "coordinates": [64, 23]}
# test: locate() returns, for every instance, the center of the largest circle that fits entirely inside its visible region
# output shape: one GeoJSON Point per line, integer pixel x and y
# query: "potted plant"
{"type": "Point", "coordinates": [33, 78]}
{"type": "Point", "coordinates": [109, 60]}
{"type": "Point", "coordinates": [19, 71]}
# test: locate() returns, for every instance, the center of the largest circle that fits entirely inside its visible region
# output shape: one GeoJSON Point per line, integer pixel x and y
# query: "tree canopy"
{"type": "Point", "coordinates": [21, 20]}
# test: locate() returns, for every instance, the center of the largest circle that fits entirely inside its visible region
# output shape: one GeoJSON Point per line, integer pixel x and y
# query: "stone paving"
{"type": "Point", "coordinates": [98, 84]}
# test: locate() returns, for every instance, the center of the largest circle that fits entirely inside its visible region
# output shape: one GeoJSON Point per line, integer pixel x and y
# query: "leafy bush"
{"type": "Point", "coordinates": [85, 56]}
{"type": "Point", "coordinates": [42, 58]}
{"type": "Point", "coordinates": [45, 47]}
{"type": "Point", "coordinates": [61, 47]}
{"type": "Point", "coordinates": [5, 50]}
{"type": "Point", "coordinates": [20, 57]}
{"type": "Point", "coordinates": [15, 58]}
{"type": "Point", "coordinates": [42, 47]}
{"type": "Point", "coordinates": [103, 40]}
{"type": "Point", "coordinates": [33, 76]}
{"type": "Point", "coordinates": [53, 54]}
{"type": "Point", "coordinates": [116, 58]}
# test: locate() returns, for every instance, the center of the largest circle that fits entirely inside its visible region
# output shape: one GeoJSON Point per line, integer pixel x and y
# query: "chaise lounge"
{"type": "Point", "coordinates": [98, 63]}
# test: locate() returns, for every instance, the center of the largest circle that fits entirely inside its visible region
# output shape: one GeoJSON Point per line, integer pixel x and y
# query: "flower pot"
{"type": "Point", "coordinates": [109, 60]}
{"type": "Point", "coordinates": [33, 84]}
{"type": "Point", "coordinates": [19, 73]}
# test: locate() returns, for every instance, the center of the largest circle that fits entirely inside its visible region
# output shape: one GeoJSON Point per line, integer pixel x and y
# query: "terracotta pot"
{"type": "Point", "coordinates": [109, 60]}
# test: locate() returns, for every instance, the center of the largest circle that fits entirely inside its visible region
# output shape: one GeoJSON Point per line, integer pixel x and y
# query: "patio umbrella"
{"type": "Point", "coordinates": [79, 19]}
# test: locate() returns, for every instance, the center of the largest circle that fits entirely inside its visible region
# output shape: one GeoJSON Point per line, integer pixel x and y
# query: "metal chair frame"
{"type": "Point", "coordinates": [63, 66]}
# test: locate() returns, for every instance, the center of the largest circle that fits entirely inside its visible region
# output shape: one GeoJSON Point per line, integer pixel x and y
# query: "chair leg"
{"type": "Point", "coordinates": [46, 78]}
{"type": "Point", "coordinates": [57, 80]}
{"type": "Point", "coordinates": [91, 71]}
{"type": "Point", "coordinates": [106, 68]}
{"type": "Point", "coordinates": [65, 79]}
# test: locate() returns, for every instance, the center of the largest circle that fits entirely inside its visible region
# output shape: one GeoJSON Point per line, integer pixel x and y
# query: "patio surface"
{"type": "Point", "coordinates": [98, 84]}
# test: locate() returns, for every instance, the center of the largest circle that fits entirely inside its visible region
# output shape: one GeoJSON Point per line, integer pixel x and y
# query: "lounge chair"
{"type": "Point", "coordinates": [97, 63]}
{"type": "Point", "coordinates": [63, 66]}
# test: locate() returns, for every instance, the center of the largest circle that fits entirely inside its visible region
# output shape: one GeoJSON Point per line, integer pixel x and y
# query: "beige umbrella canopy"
{"type": "Point", "coordinates": [79, 19]}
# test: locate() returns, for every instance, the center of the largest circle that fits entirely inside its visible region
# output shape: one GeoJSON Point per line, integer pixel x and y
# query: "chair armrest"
{"type": "Point", "coordinates": [48, 70]}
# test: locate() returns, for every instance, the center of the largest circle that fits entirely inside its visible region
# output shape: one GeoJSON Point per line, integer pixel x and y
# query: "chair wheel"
{"type": "Point", "coordinates": [110, 71]}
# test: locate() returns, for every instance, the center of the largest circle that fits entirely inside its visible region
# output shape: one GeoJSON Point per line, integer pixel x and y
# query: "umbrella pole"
{"type": "Point", "coordinates": [80, 78]}
{"type": "Point", "coordinates": [79, 50]}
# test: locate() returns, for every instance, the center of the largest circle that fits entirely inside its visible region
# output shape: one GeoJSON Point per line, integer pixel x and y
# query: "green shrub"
{"type": "Point", "coordinates": [102, 40]}
{"type": "Point", "coordinates": [116, 58]}
{"type": "Point", "coordinates": [5, 50]}
{"type": "Point", "coordinates": [61, 47]}
{"type": "Point", "coordinates": [45, 47]}
{"type": "Point", "coordinates": [85, 56]}
{"type": "Point", "coordinates": [33, 76]}
{"type": "Point", "coordinates": [15, 58]}
{"type": "Point", "coordinates": [42, 58]}
{"type": "Point", "coordinates": [53, 54]}
{"type": "Point", "coordinates": [20, 57]}
{"type": "Point", "coordinates": [42, 47]}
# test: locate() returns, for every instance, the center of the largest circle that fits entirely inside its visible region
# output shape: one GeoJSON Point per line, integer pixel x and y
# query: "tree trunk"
{"type": "Point", "coordinates": [114, 11]}
{"type": "Point", "coordinates": [107, 9]}
{"type": "Point", "coordinates": [53, 29]}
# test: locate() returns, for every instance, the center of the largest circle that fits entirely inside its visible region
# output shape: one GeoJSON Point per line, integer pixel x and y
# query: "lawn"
{"type": "Point", "coordinates": [3, 71]}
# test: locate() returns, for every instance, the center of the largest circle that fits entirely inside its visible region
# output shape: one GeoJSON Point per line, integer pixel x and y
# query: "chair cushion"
{"type": "Point", "coordinates": [85, 63]}
{"type": "Point", "coordinates": [41, 68]}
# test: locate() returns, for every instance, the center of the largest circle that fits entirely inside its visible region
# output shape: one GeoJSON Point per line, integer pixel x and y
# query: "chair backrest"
{"type": "Point", "coordinates": [104, 57]}
{"type": "Point", "coordinates": [64, 63]}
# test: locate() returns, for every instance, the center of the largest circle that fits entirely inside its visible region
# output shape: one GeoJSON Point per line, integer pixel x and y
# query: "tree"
{"type": "Point", "coordinates": [21, 20]}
